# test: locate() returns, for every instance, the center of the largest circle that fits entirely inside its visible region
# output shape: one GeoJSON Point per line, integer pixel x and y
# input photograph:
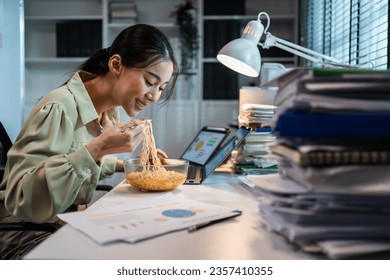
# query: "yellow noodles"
{"type": "Point", "coordinates": [153, 176]}
{"type": "Point", "coordinates": [156, 180]}
{"type": "Point", "coordinates": [148, 153]}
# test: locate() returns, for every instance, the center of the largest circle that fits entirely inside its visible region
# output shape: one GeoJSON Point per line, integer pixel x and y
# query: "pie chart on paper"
{"type": "Point", "coordinates": [178, 213]}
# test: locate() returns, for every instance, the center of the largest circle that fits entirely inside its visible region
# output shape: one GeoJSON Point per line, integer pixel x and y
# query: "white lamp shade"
{"type": "Point", "coordinates": [241, 55]}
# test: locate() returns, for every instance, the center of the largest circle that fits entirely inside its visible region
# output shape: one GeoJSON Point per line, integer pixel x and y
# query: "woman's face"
{"type": "Point", "coordinates": [136, 88]}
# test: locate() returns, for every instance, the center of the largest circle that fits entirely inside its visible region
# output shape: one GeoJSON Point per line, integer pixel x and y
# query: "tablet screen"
{"type": "Point", "coordinates": [203, 146]}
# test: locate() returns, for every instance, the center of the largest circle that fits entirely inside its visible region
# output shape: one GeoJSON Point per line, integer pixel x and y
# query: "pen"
{"type": "Point", "coordinates": [199, 226]}
{"type": "Point", "coordinates": [208, 223]}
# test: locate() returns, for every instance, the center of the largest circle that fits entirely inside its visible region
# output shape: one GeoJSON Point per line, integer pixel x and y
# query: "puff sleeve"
{"type": "Point", "coordinates": [43, 177]}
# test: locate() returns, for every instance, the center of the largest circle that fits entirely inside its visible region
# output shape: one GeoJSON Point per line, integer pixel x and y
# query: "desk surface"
{"type": "Point", "coordinates": [242, 237]}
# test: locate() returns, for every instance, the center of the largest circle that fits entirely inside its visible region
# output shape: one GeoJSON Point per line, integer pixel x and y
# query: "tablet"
{"type": "Point", "coordinates": [205, 143]}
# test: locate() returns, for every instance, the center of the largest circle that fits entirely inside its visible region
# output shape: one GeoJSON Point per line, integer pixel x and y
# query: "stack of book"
{"type": "Point", "coordinates": [123, 12]}
{"type": "Point", "coordinates": [333, 150]}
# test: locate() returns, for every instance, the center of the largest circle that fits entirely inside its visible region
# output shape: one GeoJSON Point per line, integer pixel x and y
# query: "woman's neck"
{"type": "Point", "coordinates": [100, 94]}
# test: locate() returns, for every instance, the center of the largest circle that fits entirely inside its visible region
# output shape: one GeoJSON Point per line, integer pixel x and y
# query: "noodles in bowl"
{"type": "Point", "coordinates": [156, 178]}
{"type": "Point", "coordinates": [149, 173]}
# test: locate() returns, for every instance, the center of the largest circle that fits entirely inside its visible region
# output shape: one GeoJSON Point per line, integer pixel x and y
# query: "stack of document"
{"type": "Point", "coordinates": [331, 141]}
{"type": "Point", "coordinates": [252, 156]}
{"type": "Point", "coordinates": [256, 111]}
{"type": "Point", "coordinates": [342, 224]}
{"type": "Point", "coordinates": [256, 115]}
{"type": "Point", "coordinates": [329, 127]}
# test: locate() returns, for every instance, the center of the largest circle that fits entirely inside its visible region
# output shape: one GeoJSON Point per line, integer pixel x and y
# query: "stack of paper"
{"type": "Point", "coordinates": [256, 112]}
{"type": "Point", "coordinates": [256, 115]}
{"type": "Point", "coordinates": [318, 221]}
{"type": "Point", "coordinates": [252, 157]}
{"type": "Point", "coordinates": [331, 142]}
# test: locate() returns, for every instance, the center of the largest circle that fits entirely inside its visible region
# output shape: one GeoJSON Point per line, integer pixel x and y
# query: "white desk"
{"type": "Point", "coordinates": [240, 238]}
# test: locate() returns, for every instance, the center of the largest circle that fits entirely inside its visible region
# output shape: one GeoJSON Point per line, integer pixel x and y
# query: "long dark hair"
{"type": "Point", "coordinates": [139, 46]}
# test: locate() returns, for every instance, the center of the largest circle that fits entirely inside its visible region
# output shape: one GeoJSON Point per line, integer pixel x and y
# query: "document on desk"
{"type": "Point", "coordinates": [133, 222]}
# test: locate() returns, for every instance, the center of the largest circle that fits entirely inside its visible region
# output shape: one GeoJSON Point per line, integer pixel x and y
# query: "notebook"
{"type": "Point", "coordinates": [199, 170]}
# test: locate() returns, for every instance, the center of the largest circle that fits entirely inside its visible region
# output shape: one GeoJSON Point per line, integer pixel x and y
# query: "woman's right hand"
{"type": "Point", "coordinates": [120, 138]}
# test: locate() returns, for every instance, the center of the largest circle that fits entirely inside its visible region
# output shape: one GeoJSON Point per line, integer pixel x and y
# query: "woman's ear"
{"type": "Point", "coordinates": [115, 64]}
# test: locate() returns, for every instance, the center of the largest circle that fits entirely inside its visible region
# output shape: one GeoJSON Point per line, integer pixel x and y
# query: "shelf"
{"type": "Point", "coordinates": [249, 17]}
{"type": "Point", "coordinates": [54, 60]}
{"type": "Point", "coordinates": [161, 25]}
{"type": "Point", "coordinates": [278, 59]}
{"type": "Point", "coordinates": [264, 59]}
{"type": "Point", "coordinates": [62, 18]}
{"type": "Point", "coordinates": [189, 72]}
{"type": "Point", "coordinates": [210, 60]}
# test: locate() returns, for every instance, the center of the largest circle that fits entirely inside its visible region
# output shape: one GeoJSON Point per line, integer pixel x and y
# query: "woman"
{"type": "Point", "coordinates": [61, 152]}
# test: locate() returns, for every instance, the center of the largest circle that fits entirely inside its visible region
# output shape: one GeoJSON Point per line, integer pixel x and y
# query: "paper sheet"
{"type": "Point", "coordinates": [136, 221]}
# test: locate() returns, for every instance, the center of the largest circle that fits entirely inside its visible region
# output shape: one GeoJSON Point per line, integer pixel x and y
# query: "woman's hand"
{"type": "Point", "coordinates": [162, 156]}
{"type": "Point", "coordinates": [120, 138]}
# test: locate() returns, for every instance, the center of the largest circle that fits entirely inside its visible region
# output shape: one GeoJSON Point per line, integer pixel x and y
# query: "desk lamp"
{"type": "Point", "coordinates": [243, 56]}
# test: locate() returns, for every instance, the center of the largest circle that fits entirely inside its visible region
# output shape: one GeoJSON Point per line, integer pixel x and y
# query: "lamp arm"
{"type": "Point", "coordinates": [273, 41]}
{"type": "Point", "coordinates": [299, 53]}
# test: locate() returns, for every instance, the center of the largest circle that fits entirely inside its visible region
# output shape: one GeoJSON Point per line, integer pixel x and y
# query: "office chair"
{"type": "Point", "coordinates": [27, 226]}
{"type": "Point", "coordinates": [6, 143]}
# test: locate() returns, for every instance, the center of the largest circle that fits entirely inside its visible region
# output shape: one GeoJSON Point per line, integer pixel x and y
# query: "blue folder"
{"type": "Point", "coordinates": [304, 124]}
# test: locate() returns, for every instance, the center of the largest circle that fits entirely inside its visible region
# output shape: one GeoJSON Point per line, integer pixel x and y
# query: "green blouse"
{"type": "Point", "coordinates": [48, 168]}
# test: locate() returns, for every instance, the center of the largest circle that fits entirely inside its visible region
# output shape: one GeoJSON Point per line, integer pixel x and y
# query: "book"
{"type": "Point", "coordinates": [331, 155]}
{"type": "Point", "coordinates": [296, 123]}
{"type": "Point", "coordinates": [351, 83]}
{"type": "Point", "coordinates": [340, 179]}
{"type": "Point", "coordinates": [338, 95]}
{"type": "Point", "coordinates": [61, 39]}
{"type": "Point", "coordinates": [78, 38]}
{"type": "Point", "coordinates": [259, 137]}
{"type": "Point", "coordinates": [123, 11]}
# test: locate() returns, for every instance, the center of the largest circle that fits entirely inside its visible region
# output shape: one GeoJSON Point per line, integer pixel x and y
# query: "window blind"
{"type": "Point", "coordinates": [352, 31]}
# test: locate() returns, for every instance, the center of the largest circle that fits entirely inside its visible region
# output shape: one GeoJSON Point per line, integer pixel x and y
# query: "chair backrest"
{"type": "Point", "coordinates": [4, 139]}
{"type": "Point", "coordinates": [5, 146]}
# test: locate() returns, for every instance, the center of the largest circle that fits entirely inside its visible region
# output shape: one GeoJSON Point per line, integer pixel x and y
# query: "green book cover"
{"type": "Point", "coordinates": [337, 72]}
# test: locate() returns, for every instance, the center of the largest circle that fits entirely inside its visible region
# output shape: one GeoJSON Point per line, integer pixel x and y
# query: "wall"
{"type": "Point", "coordinates": [11, 69]}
